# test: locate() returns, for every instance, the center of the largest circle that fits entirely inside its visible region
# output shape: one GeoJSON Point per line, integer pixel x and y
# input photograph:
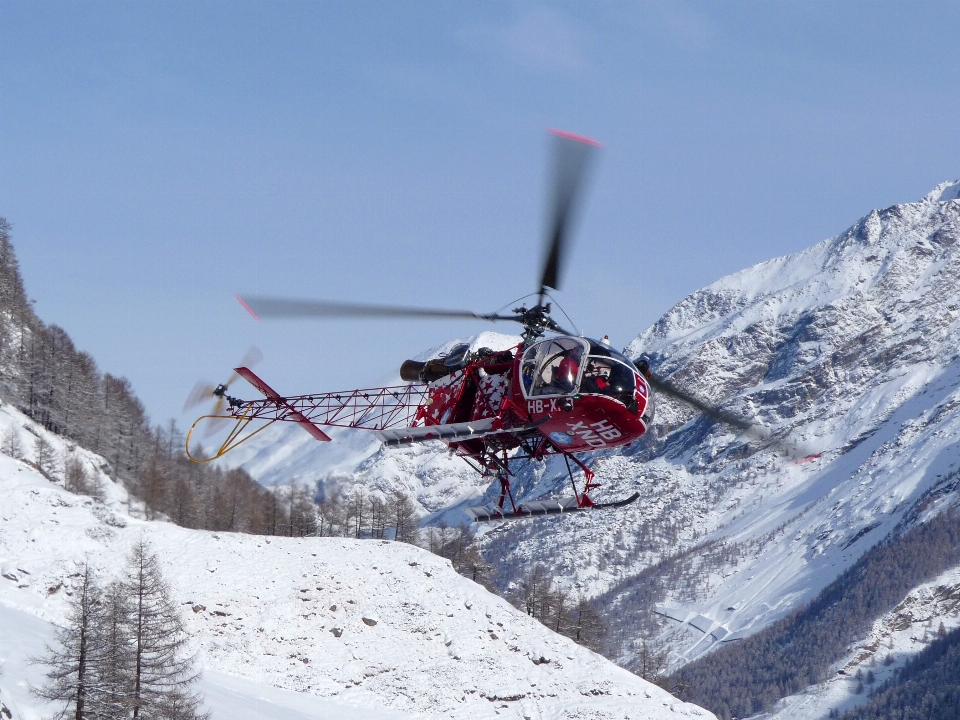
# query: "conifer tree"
{"type": "Point", "coordinates": [72, 671]}
{"type": "Point", "coordinates": [11, 444]}
{"type": "Point", "coordinates": [43, 454]}
{"type": "Point", "coordinates": [116, 654]}
{"type": "Point", "coordinates": [162, 671]}
{"type": "Point", "coordinates": [405, 527]}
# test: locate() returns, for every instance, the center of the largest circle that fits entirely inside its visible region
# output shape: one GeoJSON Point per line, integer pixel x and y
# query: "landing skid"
{"type": "Point", "coordinates": [564, 506]}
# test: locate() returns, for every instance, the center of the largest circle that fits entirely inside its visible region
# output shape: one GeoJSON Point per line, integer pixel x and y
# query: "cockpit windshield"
{"type": "Point", "coordinates": [603, 350]}
{"type": "Point", "coordinates": [552, 367]}
{"type": "Point", "coordinates": [567, 366]}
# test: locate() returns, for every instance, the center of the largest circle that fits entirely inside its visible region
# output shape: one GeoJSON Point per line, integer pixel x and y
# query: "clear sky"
{"type": "Point", "coordinates": [158, 157]}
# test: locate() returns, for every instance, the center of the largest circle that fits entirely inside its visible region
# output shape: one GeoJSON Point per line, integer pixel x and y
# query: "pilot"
{"type": "Point", "coordinates": [596, 378]}
{"type": "Point", "coordinates": [565, 376]}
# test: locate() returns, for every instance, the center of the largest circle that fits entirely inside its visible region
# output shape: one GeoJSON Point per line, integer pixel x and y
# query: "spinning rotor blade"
{"type": "Point", "coordinates": [216, 425]}
{"type": "Point", "coordinates": [668, 388]}
{"type": "Point", "coordinates": [203, 391]}
{"type": "Point", "coordinates": [263, 307]}
{"type": "Point", "coordinates": [251, 358]}
{"type": "Point", "coordinates": [797, 452]}
{"type": "Point", "coordinates": [572, 160]}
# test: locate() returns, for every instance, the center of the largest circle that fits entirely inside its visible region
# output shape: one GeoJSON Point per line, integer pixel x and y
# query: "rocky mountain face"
{"type": "Point", "coordinates": [847, 352]}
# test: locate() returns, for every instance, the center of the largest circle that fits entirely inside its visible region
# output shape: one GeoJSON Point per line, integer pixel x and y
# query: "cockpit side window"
{"type": "Point", "coordinates": [553, 367]}
{"type": "Point", "coordinates": [606, 376]}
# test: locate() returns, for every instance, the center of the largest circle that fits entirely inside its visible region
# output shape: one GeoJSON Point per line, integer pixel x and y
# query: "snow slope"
{"type": "Point", "coordinates": [301, 627]}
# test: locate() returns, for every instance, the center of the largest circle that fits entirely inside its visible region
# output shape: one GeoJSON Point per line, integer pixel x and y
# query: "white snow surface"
{"type": "Point", "coordinates": [298, 627]}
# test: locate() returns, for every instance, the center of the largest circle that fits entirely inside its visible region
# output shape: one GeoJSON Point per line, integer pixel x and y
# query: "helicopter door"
{"type": "Point", "coordinates": [553, 367]}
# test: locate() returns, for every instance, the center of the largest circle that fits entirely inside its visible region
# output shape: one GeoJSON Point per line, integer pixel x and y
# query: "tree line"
{"type": "Point", "coordinates": [60, 387]}
{"type": "Point", "coordinates": [565, 610]}
{"type": "Point", "coordinates": [926, 688]}
{"type": "Point", "coordinates": [124, 650]}
{"type": "Point", "coordinates": [44, 375]}
{"type": "Point", "coordinates": [750, 675]}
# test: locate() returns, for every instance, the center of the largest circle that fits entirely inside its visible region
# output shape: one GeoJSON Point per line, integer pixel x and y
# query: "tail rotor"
{"type": "Point", "coordinates": [205, 392]}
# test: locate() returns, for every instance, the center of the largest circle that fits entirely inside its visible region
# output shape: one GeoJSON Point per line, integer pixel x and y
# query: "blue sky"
{"type": "Point", "coordinates": [156, 158]}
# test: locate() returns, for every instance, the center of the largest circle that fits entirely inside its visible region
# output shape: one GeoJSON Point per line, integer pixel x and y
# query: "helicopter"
{"type": "Point", "coordinates": [554, 393]}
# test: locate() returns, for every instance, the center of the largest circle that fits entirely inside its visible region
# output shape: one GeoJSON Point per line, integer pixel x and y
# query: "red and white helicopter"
{"type": "Point", "coordinates": [555, 393]}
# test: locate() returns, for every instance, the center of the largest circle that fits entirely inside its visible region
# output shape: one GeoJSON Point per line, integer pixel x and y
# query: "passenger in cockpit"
{"type": "Point", "coordinates": [596, 378]}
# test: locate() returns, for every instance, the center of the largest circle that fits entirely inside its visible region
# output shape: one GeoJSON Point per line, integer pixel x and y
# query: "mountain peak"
{"type": "Point", "coordinates": [887, 256]}
{"type": "Point", "coordinates": [944, 192]}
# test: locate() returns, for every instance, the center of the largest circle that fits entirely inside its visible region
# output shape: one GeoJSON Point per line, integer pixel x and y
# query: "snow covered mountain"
{"type": "Point", "coordinates": [295, 627]}
{"type": "Point", "coordinates": [849, 351]}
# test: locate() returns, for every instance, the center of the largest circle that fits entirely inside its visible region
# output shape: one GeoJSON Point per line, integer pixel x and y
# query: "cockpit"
{"type": "Point", "coordinates": [552, 367]}
{"type": "Point", "coordinates": [570, 366]}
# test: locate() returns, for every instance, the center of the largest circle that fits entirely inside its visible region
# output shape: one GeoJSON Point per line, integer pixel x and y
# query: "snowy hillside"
{"type": "Point", "coordinates": [849, 350]}
{"type": "Point", "coordinates": [298, 627]}
{"type": "Point", "coordinates": [928, 610]}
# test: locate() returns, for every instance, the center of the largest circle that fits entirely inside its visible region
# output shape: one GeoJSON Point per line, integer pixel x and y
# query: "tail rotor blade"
{"type": "Point", "coordinates": [201, 392]}
{"type": "Point", "coordinates": [215, 425]}
{"type": "Point", "coordinates": [573, 154]}
{"type": "Point", "coordinates": [252, 357]}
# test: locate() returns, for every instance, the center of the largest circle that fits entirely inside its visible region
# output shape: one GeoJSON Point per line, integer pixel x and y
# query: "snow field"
{"type": "Point", "coordinates": [356, 628]}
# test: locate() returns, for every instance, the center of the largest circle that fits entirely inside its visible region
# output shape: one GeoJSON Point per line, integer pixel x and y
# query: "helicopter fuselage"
{"type": "Point", "coordinates": [571, 393]}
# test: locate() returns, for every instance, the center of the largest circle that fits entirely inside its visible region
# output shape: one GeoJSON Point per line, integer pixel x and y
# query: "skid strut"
{"type": "Point", "coordinates": [579, 501]}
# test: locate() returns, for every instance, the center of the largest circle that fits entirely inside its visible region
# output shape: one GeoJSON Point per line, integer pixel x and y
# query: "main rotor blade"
{"type": "Point", "coordinates": [756, 431]}
{"type": "Point", "coordinates": [264, 307]}
{"type": "Point", "coordinates": [572, 155]}
{"type": "Point", "coordinates": [668, 388]}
